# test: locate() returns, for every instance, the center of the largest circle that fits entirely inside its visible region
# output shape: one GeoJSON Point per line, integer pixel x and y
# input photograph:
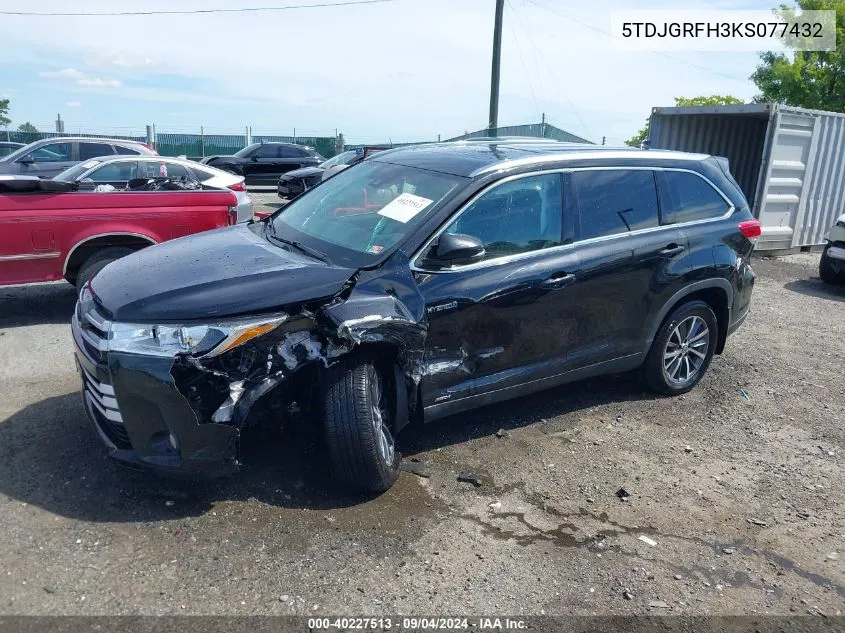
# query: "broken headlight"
{"type": "Point", "coordinates": [199, 340]}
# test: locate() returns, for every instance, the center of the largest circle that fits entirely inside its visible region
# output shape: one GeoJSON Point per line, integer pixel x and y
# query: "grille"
{"type": "Point", "coordinates": [93, 328]}
{"type": "Point", "coordinates": [103, 404]}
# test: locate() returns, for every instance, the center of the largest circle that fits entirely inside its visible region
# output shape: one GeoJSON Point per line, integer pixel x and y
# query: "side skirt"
{"type": "Point", "coordinates": [616, 365]}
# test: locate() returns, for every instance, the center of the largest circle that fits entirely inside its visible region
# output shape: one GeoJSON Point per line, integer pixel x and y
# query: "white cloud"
{"type": "Point", "coordinates": [96, 82]}
{"type": "Point", "coordinates": [123, 59]}
{"type": "Point", "coordinates": [67, 73]}
{"type": "Point", "coordinates": [74, 104]}
{"type": "Point", "coordinates": [81, 79]}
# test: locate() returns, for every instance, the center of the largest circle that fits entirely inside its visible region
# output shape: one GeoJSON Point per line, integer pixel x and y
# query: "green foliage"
{"type": "Point", "coordinates": [712, 100]}
{"type": "Point", "coordinates": [27, 127]}
{"type": "Point", "coordinates": [4, 110]}
{"type": "Point", "coordinates": [806, 79]}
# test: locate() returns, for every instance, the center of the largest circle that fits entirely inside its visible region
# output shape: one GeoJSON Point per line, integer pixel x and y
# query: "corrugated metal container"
{"type": "Point", "coordinates": [789, 162]}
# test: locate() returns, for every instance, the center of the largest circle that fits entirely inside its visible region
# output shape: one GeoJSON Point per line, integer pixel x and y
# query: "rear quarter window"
{"type": "Point", "coordinates": [613, 201]}
{"type": "Point", "coordinates": [126, 151]}
{"type": "Point", "coordinates": [687, 197]}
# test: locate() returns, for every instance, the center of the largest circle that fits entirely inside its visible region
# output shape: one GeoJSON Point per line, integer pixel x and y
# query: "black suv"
{"type": "Point", "coordinates": [263, 163]}
{"type": "Point", "coordinates": [419, 283]}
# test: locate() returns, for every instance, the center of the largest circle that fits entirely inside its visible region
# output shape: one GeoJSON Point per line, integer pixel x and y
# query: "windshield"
{"type": "Point", "coordinates": [341, 159]}
{"type": "Point", "coordinates": [72, 173]}
{"type": "Point", "coordinates": [365, 209]}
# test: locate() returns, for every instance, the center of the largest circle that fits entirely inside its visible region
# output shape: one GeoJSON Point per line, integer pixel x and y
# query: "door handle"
{"type": "Point", "coordinates": [558, 280]}
{"type": "Point", "coordinates": [672, 250]}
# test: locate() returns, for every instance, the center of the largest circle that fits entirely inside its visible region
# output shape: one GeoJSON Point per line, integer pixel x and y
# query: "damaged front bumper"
{"type": "Point", "coordinates": [155, 404]}
{"type": "Point", "coordinates": [142, 418]}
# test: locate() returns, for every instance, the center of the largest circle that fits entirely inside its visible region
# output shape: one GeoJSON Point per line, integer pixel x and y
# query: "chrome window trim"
{"type": "Point", "coordinates": [506, 259]}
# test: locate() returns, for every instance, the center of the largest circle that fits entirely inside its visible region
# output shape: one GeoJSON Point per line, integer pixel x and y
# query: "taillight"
{"type": "Point", "coordinates": [750, 228]}
{"type": "Point", "coordinates": [238, 186]}
{"type": "Point", "coordinates": [233, 215]}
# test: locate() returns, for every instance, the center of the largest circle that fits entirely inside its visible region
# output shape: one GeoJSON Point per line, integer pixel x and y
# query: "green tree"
{"type": "Point", "coordinates": [4, 110]}
{"type": "Point", "coordinates": [712, 100]}
{"type": "Point", "coordinates": [27, 127]}
{"type": "Point", "coordinates": [806, 79]}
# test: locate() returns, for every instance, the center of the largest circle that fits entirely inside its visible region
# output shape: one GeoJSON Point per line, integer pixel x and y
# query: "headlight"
{"type": "Point", "coordinates": [200, 340]}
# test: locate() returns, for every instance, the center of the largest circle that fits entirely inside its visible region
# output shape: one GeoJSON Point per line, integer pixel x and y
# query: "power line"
{"type": "Point", "coordinates": [559, 83]}
{"type": "Point", "coordinates": [521, 25]}
{"type": "Point", "coordinates": [522, 61]}
{"type": "Point", "coordinates": [196, 11]}
{"type": "Point", "coordinates": [609, 34]}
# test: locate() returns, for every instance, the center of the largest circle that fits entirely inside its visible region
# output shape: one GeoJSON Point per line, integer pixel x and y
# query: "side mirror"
{"type": "Point", "coordinates": [456, 249]}
{"type": "Point", "coordinates": [254, 159]}
{"type": "Point", "coordinates": [26, 160]}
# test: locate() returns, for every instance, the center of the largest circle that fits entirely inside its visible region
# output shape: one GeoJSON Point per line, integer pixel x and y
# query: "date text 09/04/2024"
{"type": "Point", "coordinates": [417, 624]}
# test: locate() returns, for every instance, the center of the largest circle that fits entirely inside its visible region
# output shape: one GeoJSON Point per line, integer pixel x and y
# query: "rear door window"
{"type": "Point", "coordinates": [94, 150]}
{"type": "Point", "coordinates": [614, 201]}
{"type": "Point", "coordinates": [687, 197]}
{"type": "Point", "coordinates": [286, 151]}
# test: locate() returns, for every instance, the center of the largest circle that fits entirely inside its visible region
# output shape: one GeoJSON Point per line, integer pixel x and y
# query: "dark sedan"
{"type": "Point", "coordinates": [296, 182]}
{"type": "Point", "coordinates": [263, 163]}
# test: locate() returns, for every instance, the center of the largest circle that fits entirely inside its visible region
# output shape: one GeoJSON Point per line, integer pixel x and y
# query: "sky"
{"type": "Point", "coordinates": [403, 70]}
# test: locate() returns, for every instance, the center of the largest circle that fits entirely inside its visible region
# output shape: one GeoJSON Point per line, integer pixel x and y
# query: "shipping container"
{"type": "Point", "coordinates": [789, 162]}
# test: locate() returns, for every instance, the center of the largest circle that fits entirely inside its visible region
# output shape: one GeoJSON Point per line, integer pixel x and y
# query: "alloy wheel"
{"type": "Point", "coordinates": [381, 418]}
{"type": "Point", "coordinates": [686, 351]}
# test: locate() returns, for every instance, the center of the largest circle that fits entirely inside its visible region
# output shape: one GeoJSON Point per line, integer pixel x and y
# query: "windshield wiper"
{"type": "Point", "coordinates": [313, 252]}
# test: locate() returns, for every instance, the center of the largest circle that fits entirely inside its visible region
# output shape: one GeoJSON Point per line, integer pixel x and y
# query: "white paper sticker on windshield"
{"type": "Point", "coordinates": [404, 207]}
{"type": "Point", "coordinates": [90, 164]}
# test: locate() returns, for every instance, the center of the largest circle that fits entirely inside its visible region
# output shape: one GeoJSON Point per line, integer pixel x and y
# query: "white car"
{"type": "Point", "coordinates": [119, 170]}
{"type": "Point", "coordinates": [832, 265]}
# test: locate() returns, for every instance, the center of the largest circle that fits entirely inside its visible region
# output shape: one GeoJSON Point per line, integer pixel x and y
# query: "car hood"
{"type": "Point", "coordinates": [302, 172]}
{"type": "Point", "coordinates": [221, 273]}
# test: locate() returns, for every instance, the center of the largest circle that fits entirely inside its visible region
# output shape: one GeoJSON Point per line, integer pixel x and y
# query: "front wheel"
{"type": "Point", "coordinates": [359, 410]}
{"type": "Point", "coordinates": [682, 350]}
{"type": "Point", "coordinates": [832, 271]}
{"type": "Point", "coordinates": [99, 260]}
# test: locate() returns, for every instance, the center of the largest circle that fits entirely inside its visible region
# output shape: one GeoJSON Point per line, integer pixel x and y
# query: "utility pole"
{"type": "Point", "coordinates": [603, 139]}
{"type": "Point", "coordinates": [494, 74]}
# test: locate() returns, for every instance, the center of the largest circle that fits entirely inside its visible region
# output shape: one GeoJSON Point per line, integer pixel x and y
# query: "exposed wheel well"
{"type": "Point", "coordinates": [81, 252]}
{"type": "Point", "coordinates": [717, 299]}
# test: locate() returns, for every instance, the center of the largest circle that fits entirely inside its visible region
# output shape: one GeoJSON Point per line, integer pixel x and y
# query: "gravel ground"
{"type": "Point", "coordinates": [736, 502]}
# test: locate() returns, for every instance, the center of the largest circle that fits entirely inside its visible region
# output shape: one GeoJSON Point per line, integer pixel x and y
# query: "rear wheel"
{"type": "Point", "coordinates": [832, 271]}
{"type": "Point", "coordinates": [96, 262]}
{"type": "Point", "coordinates": [682, 350]}
{"type": "Point", "coordinates": [359, 410]}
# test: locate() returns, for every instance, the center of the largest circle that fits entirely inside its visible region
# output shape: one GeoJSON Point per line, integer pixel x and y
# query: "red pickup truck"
{"type": "Point", "coordinates": [50, 231]}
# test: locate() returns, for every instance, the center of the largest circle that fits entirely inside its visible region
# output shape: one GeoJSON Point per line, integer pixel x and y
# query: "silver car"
{"type": "Point", "coordinates": [119, 170]}
{"type": "Point", "coordinates": [51, 156]}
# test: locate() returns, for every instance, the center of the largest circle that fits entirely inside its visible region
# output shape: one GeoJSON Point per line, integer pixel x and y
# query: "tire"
{"type": "Point", "coordinates": [99, 260]}
{"type": "Point", "coordinates": [690, 333]}
{"type": "Point", "coordinates": [832, 271]}
{"type": "Point", "coordinates": [359, 411]}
